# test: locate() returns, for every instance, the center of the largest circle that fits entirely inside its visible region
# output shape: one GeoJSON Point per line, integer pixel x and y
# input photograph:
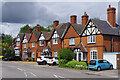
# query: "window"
{"type": "Point", "coordinates": [91, 39]}
{"type": "Point", "coordinates": [72, 41]}
{"type": "Point", "coordinates": [24, 45]}
{"type": "Point", "coordinates": [55, 53]}
{"type": "Point", "coordinates": [18, 43]}
{"type": "Point", "coordinates": [42, 43]}
{"type": "Point", "coordinates": [55, 41]}
{"type": "Point", "coordinates": [33, 54]}
{"type": "Point", "coordinates": [33, 44]}
{"type": "Point", "coordinates": [93, 54]}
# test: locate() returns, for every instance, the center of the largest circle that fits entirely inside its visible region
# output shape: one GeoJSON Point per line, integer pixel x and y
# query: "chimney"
{"type": "Point", "coordinates": [73, 19]}
{"type": "Point", "coordinates": [55, 23]}
{"type": "Point", "coordinates": [30, 30]}
{"type": "Point", "coordinates": [38, 28]}
{"type": "Point", "coordinates": [111, 15]}
{"type": "Point", "coordinates": [85, 18]}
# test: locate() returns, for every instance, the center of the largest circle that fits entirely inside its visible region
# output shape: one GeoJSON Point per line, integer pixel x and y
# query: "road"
{"type": "Point", "coordinates": [24, 70]}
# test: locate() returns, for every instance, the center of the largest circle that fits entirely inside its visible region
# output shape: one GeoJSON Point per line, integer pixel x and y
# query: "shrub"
{"type": "Point", "coordinates": [62, 62]}
{"type": "Point", "coordinates": [29, 59]}
{"type": "Point", "coordinates": [66, 54]}
{"type": "Point", "coordinates": [76, 64]}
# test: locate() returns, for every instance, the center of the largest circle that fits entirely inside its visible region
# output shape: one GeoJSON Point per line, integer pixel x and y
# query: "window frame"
{"type": "Point", "coordinates": [55, 42]}
{"type": "Point", "coordinates": [24, 45]}
{"type": "Point", "coordinates": [72, 41]}
{"type": "Point", "coordinates": [55, 53]}
{"type": "Point", "coordinates": [33, 45]}
{"type": "Point", "coordinates": [91, 39]}
{"type": "Point", "coordinates": [18, 43]}
{"type": "Point", "coordinates": [93, 55]}
{"type": "Point", "coordinates": [41, 42]}
{"type": "Point", "coordinates": [33, 53]}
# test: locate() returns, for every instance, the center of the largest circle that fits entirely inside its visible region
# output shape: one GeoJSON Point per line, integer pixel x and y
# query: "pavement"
{"type": "Point", "coordinates": [33, 70]}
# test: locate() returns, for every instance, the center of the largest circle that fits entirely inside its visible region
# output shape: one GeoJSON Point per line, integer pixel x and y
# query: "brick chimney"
{"type": "Point", "coordinates": [30, 30]}
{"type": "Point", "coordinates": [85, 18]}
{"type": "Point", "coordinates": [55, 23]}
{"type": "Point", "coordinates": [111, 15]}
{"type": "Point", "coordinates": [73, 19]}
{"type": "Point", "coordinates": [38, 28]}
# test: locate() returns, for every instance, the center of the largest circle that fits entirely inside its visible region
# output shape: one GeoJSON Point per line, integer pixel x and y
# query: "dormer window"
{"type": "Point", "coordinates": [91, 39]}
{"type": "Point", "coordinates": [55, 41]}
{"type": "Point", "coordinates": [42, 43]}
{"type": "Point", "coordinates": [33, 44]}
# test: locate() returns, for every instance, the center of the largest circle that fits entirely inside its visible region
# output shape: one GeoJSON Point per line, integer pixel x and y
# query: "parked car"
{"type": "Point", "coordinates": [52, 61]}
{"type": "Point", "coordinates": [5, 59]}
{"type": "Point", "coordinates": [42, 60]}
{"type": "Point", "coordinates": [99, 64]}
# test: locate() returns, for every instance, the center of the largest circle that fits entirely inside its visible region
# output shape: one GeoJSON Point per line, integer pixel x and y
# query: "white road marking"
{"type": "Point", "coordinates": [32, 74]}
{"type": "Point", "coordinates": [58, 76]}
{"type": "Point", "coordinates": [25, 74]}
{"type": "Point", "coordinates": [20, 69]}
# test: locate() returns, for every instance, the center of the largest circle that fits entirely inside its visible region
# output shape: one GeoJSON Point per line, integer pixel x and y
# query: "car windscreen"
{"type": "Point", "coordinates": [50, 57]}
{"type": "Point", "coordinates": [92, 62]}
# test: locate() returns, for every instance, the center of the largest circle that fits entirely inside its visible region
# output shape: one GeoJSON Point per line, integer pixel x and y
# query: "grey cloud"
{"type": "Point", "coordinates": [25, 12]}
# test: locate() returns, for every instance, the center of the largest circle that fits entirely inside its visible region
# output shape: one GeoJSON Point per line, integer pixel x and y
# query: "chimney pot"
{"type": "Point", "coordinates": [73, 19]}
{"type": "Point", "coordinates": [111, 15]}
{"type": "Point", "coordinates": [85, 18]}
{"type": "Point", "coordinates": [38, 28]}
{"type": "Point", "coordinates": [30, 30]}
{"type": "Point", "coordinates": [55, 23]}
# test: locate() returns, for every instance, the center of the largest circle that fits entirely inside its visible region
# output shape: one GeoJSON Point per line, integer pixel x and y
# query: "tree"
{"type": "Point", "coordinates": [8, 39]}
{"type": "Point", "coordinates": [25, 29]}
{"type": "Point", "coordinates": [41, 28]}
{"type": "Point", "coordinates": [66, 54]}
{"type": "Point", "coordinates": [50, 27]}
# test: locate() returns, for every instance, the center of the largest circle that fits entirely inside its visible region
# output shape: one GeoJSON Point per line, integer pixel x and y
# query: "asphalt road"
{"type": "Point", "coordinates": [24, 70]}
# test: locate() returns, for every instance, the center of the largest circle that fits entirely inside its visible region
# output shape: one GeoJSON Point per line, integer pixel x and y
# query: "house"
{"type": "Point", "coordinates": [18, 45]}
{"type": "Point", "coordinates": [25, 45]}
{"type": "Point", "coordinates": [100, 36]}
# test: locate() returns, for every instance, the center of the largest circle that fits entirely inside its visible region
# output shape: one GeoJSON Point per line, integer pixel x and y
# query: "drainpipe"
{"type": "Point", "coordinates": [111, 44]}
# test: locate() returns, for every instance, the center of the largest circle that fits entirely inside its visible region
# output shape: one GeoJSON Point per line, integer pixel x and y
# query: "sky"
{"type": "Point", "coordinates": [17, 14]}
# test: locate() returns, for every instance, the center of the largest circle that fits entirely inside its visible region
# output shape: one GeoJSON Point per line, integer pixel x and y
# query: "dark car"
{"type": "Point", "coordinates": [5, 59]}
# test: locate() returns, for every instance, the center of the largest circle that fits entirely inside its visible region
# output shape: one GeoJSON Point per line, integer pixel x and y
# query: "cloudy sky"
{"type": "Point", "coordinates": [17, 14]}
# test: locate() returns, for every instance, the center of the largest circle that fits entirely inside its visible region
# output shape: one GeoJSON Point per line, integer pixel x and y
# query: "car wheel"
{"type": "Point", "coordinates": [54, 63]}
{"type": "Point", "coordinates": [111, 67]}
{"type": "Point", "coordinates": [99, 69]}
{"type": "Point", "coordinates": [44, 62]}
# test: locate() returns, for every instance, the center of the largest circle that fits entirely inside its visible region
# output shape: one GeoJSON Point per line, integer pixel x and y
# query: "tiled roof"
{"type": "Point", "coordinates": [46, 34]}
{"type": "Point", "coordinates": [37, 34]}
{"type": "Point", "coordinates": [105, 27]}
{"type": "Point", "coordinates": [28, 35]}
{"type": "Point", "coordinates": [21, 36]}
{"type": "Point", "coordinates": [81, 47]}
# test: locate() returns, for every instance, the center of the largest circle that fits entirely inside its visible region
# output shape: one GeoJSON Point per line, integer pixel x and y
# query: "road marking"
{"type": "Point", "coordinates": [58, 76]}
{"type": "Point", "coordinates": [25, 74]}
{"type": "Point", "coordinates": [20, 69]}
{"type": "Point", "coordinates": [32, 74]}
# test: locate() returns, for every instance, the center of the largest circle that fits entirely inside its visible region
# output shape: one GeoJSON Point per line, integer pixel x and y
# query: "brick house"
{"type": "Point", "coordinates": [88, 40]}
{"type": "Point", "coordinates": [18, 45]}
{"type": "Point", "coordinates": [100, 36]}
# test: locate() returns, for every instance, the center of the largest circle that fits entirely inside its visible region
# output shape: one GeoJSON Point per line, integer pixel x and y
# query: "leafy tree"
{"type": "Point", "coordinates": [50, 27]}
{"type": "Point", "coordinates": [41, 28]}
{"type": "Point", "coordinates": [66, 54]}
{"type": "Point", "coordinates": [24, 29]}
{"type": "Point", "coordinates": [8, 39]}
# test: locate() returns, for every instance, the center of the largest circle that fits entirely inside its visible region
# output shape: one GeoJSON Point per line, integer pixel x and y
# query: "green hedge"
{"type": "Point", "coordinates": [62, 62]}
{"type": "Point", "coordinates": [76, 64]}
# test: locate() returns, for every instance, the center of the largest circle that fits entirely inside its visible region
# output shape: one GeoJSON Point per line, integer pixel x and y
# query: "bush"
{"type": "Point", "coordinates": [76, 64]}
{"type": "Point", "coordinates": [29, 59]}
{"type": "Point", "coordinates": [66, 54]}
{"type": "Point", "coordinates": [62, 62]}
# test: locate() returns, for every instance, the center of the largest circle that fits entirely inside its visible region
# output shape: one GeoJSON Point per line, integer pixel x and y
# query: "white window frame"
{"type": "Point", "coordinates": [18, 43]}
{"type": "Point", "coordinates": [55, 53]}
{"type": "Point", "coordinates": [33, 54]}
{"type": "Point", "coordinates": [55, 40]}
{"type": "Point", "coordinates": [33, 44]}
{"type": "Point", "coordinates": [91, 39]}
{"type": "Point", "coordinates": [41, 43]}
{"type": "Point", "coordinates": [24, 45]}
{"type": "Point", "coordinates": [72, 41]}
{"type": "Point", "coordinates": [93, 54]}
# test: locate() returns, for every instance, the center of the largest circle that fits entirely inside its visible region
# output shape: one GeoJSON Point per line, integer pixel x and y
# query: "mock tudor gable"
{"type": "Point", "coordinates": [25, 40]}
{"type": "Point", "coordinates": [42, 37]}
